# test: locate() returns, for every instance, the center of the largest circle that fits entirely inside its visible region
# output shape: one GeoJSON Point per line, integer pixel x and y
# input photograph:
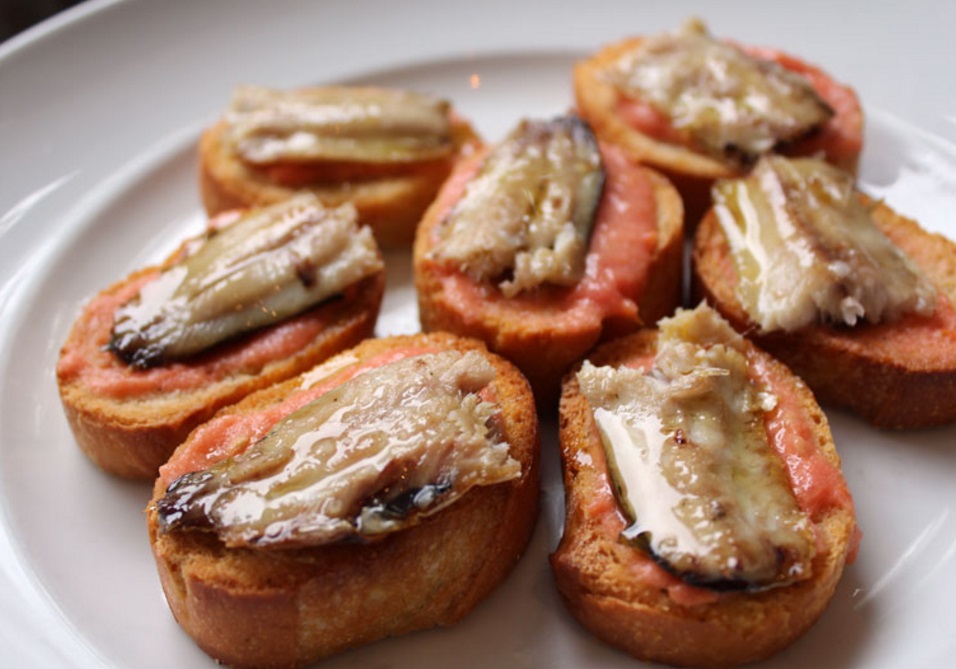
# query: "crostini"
{"type": "Point", "coordinates": [263, 295]}
{"type": "Point", "coordinates": [856, 299]}
{"type": "Point", "coordinates": [544, 245]}
{"type": "Point", "coordinates": [386, 151]}
{"type": "Point", "coordinates": [697, 108]}
{"type": "Point", "coordinates": [707, 520]}
{"type": "Point", "coordinates": [388, 490]}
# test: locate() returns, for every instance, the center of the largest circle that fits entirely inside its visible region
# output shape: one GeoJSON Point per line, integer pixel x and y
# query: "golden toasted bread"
{"type": "Point", "coordinates": [129, 419]}
{"type": "Point", "coordinates": [390, 202]}
{"type": "Point", "coordinates": [691, 170]}
{"type": "Point", "coordinates": [619, 593]}
{"type": "Point", "coordinates": [900, 374]}
{"type": "Point", "coordinates": [634, 277]}
{"type": "Point", "coordinates": [251, 606]}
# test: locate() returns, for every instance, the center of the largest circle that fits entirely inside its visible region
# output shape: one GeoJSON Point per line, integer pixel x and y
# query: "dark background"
{"type": "Point", "coordinates": [18, 15]}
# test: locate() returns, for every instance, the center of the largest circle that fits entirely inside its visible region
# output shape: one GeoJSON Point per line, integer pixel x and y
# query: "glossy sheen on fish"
{"type": "Point", "coordinates": [271, 264]}
{"type": "Point", "coordinates": [373, 455]}
{"type": "Point", "coordinates": [688, 454]}
{"type": "Point", "coordinates": [338, 123]}
{"type": "Point", "coordinates": [526, 217]}
{"type": "Point", "coordinates": [807, 250]}
{"type": "Point", "coordinates": [731, 105]}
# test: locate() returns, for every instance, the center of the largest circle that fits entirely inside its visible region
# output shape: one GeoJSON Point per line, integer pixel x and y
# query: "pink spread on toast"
{"type": "Point", "coordinates": [229, 434]}
{"type": "Point", "coordinates": [817, 484]}
{"type": "Point", "coordinates": [840, 138]}
{"type": "Point", "coordinates": [85, 359]}
{"type": "Point", "coordinates": [927, 343]}
{"type": "Point", "coordinates": [623, 243]}
{"type": "Point", "coordinates": [648, 119]}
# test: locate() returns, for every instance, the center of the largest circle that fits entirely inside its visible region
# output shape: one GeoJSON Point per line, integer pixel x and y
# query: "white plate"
{"type": "Point", "coordinates": [99, 114]}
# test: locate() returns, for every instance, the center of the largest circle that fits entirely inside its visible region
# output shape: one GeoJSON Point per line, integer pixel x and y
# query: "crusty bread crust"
{"type": "Point", "coordinates": [131, 437]}
{"type": "Point", "coordinates": [862, 369]}
{"type": "Point", "coordinates": [594, 573]}
{"type": "Point", "coordinates": [541, 350]}
{"type": "Point", "coordinates": [286, 608]}
{"type": "Point", "coordinates": [691, 172]}
{"type": "Point", "coordinates": [391, 206]}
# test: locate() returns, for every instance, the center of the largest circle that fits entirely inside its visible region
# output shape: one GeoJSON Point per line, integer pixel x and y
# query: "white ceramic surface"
{"type": "Point", "coordinates": [100, 109]}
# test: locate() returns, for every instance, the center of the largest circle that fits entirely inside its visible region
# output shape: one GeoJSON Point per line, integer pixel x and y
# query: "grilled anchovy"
{"type": "Point", "coordinates": [687, 450]}
{"type": "Point", "coordinates": [526, 218]}
{"type": "Point", "coordinates": [268, 266]}
{"type": "Point", "coordinates": [373, 455]}
{"type": "Point", "coordinates": [731, 105]}
{"type": "Point", "coordinates": [373, 125]}
{"type": "Point", "coordinates": [807, 250]}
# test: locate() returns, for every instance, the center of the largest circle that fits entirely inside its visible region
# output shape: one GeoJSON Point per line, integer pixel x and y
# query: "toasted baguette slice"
{"type": "Point", "coordinates": [691, 171]}
{"type": "Point", "coordinates": [895, 375]}
{"type": "Point", "coordinates": [623, 597]}
{"type": "Point", "coordinates": [545, 332]}
{"type": "Point", "coordinates": [129, 421]}
{"type": "Point", "coordinates": [391, 204]}
{"type": "Point", "coordinates": [259, 608]}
